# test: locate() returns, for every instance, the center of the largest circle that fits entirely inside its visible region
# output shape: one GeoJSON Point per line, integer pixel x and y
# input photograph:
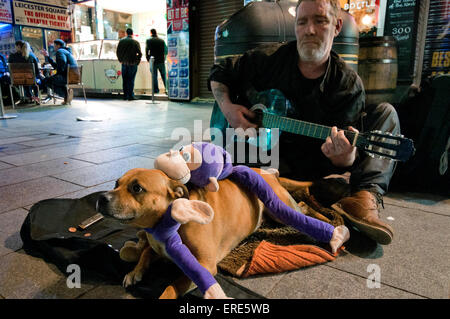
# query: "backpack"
{"type": "Point", "coordinates": [425, 117]}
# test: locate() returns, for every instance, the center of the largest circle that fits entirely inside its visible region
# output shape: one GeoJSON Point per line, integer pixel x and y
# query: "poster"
{"type": "Point", "coordinates": [401, 17]}
{"type": "Point", "coordinates": [5, 11]}
{"type": "Point", "coordinates": [436, 59]}
{"type": "Point", "coordinates": [178, 49]}
{"type": "Point", "coordinates": [42, 15]}
{"type": "Point", "coordinates": [7, 41]}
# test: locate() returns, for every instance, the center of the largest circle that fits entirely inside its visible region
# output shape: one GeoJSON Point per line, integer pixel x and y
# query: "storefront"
{"type": "Point", "coordinates": [98, 26]}
{"type": "Point", "coordinates": [6, 28]}
{"type": "Point", "coordinates": [39, 23]}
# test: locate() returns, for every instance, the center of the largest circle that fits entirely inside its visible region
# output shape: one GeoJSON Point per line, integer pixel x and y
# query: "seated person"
{"type": "Point", "coordinates": [24, 54]}
{"type": "Point", "coordinates": [4, 75]}
{"type": "Point", "coordinates": [322, 89]}
{"type": "Point", "coordinates": [64, 60]}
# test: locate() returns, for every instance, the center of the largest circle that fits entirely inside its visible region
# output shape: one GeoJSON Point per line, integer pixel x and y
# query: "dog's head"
{"type": "Point", "coordinates": [141, 197]}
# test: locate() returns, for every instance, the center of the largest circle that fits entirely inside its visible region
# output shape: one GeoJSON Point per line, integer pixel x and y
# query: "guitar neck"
{"type": "Point", "coordinates": [303, 128]}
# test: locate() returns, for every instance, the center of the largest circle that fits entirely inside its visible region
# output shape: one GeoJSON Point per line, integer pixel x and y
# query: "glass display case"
{"type": "Point", "coordinates": [102, 70]}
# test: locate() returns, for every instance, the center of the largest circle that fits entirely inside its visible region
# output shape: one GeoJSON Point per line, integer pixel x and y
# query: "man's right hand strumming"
{"type": "Point", "coordinates": [238, 116]}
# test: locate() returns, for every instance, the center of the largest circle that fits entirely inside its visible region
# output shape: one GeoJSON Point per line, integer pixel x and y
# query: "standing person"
{"type": "Point", "coordinates": [129, 54]}
{"type": "Point", "coordinates": [322, 89]}
{"type": "Point", "coordinates": [156, 47]}
{"type": "Point", "coordinates": [64, 60]}
{"type": "Point", "coordinates": [24, 54]}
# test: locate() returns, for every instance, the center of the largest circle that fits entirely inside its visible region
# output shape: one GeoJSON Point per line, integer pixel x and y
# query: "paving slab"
{"type": "Point", "coordinates": [51, 140]}
{"type": "Point", "coordinates": [102, 173]}
{"type": "Point", "coordinates": [27, 277]}
{"type": "Point", "coordinates": [89, 190]}
{"type": "Point", "coordinates": [4, 165]}
{"type": "Point", "coordinates": [12, 140]}
{"type": "Point", "coordinates": [322, 282]}
{"type": "Point", "coordinates": [113, 153]}
{"type": "Point", "coordinates": [30, 192]}
{"type": "Point", "coordinates": [108, 292]}
{"type": "Point", "coordinates": [23, 173]}
{"type": "Point", "coordinates": [420, 201]}
{"type": "Point", "coordinates": [416, 261]}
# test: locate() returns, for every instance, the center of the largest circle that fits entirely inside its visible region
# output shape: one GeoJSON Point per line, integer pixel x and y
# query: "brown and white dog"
{"type": "Point", "coordinates": [142, 196]}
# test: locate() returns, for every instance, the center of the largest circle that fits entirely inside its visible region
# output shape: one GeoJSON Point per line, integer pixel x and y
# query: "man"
{"type": "Point", "coordinates": [157, 48]}
{"type": "Point", "coordinates": [129, 54]}
{"type": "Point", "coordinates": [5, 80]}
{"type": "Point", "coordinates": [323, 90]}
{"type": "Point", "coordinates": [64, 60]}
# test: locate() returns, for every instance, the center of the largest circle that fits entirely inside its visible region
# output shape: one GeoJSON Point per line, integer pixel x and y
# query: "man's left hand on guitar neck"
{"type": "Point", "coordinates": [338, 149]}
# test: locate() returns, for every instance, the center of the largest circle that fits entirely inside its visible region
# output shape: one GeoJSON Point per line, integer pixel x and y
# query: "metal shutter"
{"type": "Point", "coordinates": [211, 13]}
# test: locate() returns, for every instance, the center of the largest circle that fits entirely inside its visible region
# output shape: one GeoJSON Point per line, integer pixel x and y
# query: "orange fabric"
{"type": "Point", "coordinates": [270, 258]}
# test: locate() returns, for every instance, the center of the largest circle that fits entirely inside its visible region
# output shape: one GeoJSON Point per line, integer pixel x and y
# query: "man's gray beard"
{"type": "Point", "coordinates": [311, 55]}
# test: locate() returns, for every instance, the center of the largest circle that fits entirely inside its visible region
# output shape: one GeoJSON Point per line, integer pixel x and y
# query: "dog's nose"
{"type": "Point", "coordinates": [102, 203]}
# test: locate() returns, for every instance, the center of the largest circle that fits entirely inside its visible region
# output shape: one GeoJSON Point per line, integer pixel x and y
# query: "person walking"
{"type": "Point", "coordinates": [129, 54]}
{"type": "Point", "coordinates": [156, 47]}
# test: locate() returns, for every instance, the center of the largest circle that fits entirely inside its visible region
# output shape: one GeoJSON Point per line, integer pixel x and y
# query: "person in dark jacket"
{"type": "Point", "coordinates": [5, 80]}
{"type": "Point", "coordinates": [157, 48]}
{"type": "Point", "coordinates": [64, 60]}
{"type": "Point", "coordinates": [129, 54]}
{"type": "Point", "coordinates": [322, 89]}
{"type": "Point", "coordinates": [24, 54]}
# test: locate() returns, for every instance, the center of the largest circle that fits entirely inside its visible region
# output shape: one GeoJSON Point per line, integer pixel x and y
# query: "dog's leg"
{"type": "Point", "coordinates": [147, 256]}
{"type": "Point", "coordinates": [298, 190]}
{"type": "Point", "coordinates": [178, 288]}
{"type": "Point", "coordinates": [183, 284]}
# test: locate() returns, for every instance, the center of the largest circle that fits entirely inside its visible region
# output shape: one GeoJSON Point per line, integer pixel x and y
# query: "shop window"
{"type": "Point", "coordinates": [365, 13]}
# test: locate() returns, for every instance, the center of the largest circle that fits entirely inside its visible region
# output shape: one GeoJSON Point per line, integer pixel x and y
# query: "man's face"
{"type": "Point", "coordinates": [315, 30]}
{"type": "Point", "coordinates": [57, 46]}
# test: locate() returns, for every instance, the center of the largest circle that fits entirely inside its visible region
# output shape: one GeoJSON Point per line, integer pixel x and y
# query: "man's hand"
{"type": "Point", "coordinates": [44, 52]}
{"type": "Point", "coordinates": [338, 149]}
{"type": "Point", "coordinates": [238, 116]}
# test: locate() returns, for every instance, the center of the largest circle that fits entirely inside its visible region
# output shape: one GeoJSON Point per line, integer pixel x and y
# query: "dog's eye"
{"type": "Point", "coordinates": [116, 185]}
{"type": "Point", "coordinates": [137, 188]}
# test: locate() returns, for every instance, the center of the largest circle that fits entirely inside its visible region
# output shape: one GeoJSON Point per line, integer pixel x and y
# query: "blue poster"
{"type": "Point", "coordinates": [178, 46]}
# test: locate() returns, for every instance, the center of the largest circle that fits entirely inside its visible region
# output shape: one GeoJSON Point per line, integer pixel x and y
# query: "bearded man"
{"type": "Point", "coordinates": [321, 89]}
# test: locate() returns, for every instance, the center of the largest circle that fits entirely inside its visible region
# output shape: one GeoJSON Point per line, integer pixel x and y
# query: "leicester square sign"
{"type": "Point", "coordinates": [48, 14]}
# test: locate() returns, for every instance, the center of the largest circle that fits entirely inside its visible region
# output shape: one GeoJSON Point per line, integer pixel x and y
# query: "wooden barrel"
{"type": "Point", "coordinates": [377, 67]}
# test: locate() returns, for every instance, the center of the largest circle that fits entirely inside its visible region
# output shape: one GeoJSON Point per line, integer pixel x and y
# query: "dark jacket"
{"type": "Point", "coordinates": [156, 47]}
{"type": "Point", "coordinates": [16, 57]}
{"type": "Point", "coordinates": [129, 51]}
{"type": "Point", "coordinates": [3, 65]}
{"type": "Point", "coordinates": [338, 99]}
{"type": "Point", "coordinates": [64, 59]}
{"type": "Point", "coordinates": [335, 99]}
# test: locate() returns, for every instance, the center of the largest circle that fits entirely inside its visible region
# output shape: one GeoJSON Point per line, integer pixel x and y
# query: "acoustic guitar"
{"type": "Point", "coordinates": [271, 113]}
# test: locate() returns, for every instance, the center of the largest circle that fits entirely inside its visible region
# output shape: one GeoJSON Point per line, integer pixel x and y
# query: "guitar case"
{"type": "Point", "coordinates": [45, 234]}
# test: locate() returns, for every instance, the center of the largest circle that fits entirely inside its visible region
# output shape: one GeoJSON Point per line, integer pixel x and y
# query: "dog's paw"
{"type": "Point", "coordinates": [132, 278]}
{"type": "Point", "coordinates": [130, 252]}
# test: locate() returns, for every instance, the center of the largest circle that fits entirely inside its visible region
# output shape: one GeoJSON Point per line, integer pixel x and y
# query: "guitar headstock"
{"type": "Point", "coordinates": [386, 145]}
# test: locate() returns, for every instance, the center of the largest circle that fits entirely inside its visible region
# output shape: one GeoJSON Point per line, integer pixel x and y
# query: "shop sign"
{"type": "Point", "coordinates": [5, 11]}
{"type": "Point", "coordinates": [178, 46]}
{"type": "Point", "coordinates": [401, 21]}
{"type": "Point", "coordinates": [49, 14]}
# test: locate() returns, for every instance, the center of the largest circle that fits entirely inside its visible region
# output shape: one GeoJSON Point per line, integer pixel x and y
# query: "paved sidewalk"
{"type": "Point", "coordinates": [47, 153]}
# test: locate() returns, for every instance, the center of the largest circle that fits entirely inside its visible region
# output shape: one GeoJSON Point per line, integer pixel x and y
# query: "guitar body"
{"type": "Point", "coordinates": [271, 101]}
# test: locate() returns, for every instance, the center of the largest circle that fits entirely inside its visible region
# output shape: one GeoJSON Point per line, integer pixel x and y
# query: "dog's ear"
{"type": "Point", "coordinates": [178, 190]}
{"type": "Point", "coordinates": [185, 210]}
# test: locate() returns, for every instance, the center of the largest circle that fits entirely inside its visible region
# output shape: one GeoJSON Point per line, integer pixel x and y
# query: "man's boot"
{"type": "Point", "coordinates": [361, 209]}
